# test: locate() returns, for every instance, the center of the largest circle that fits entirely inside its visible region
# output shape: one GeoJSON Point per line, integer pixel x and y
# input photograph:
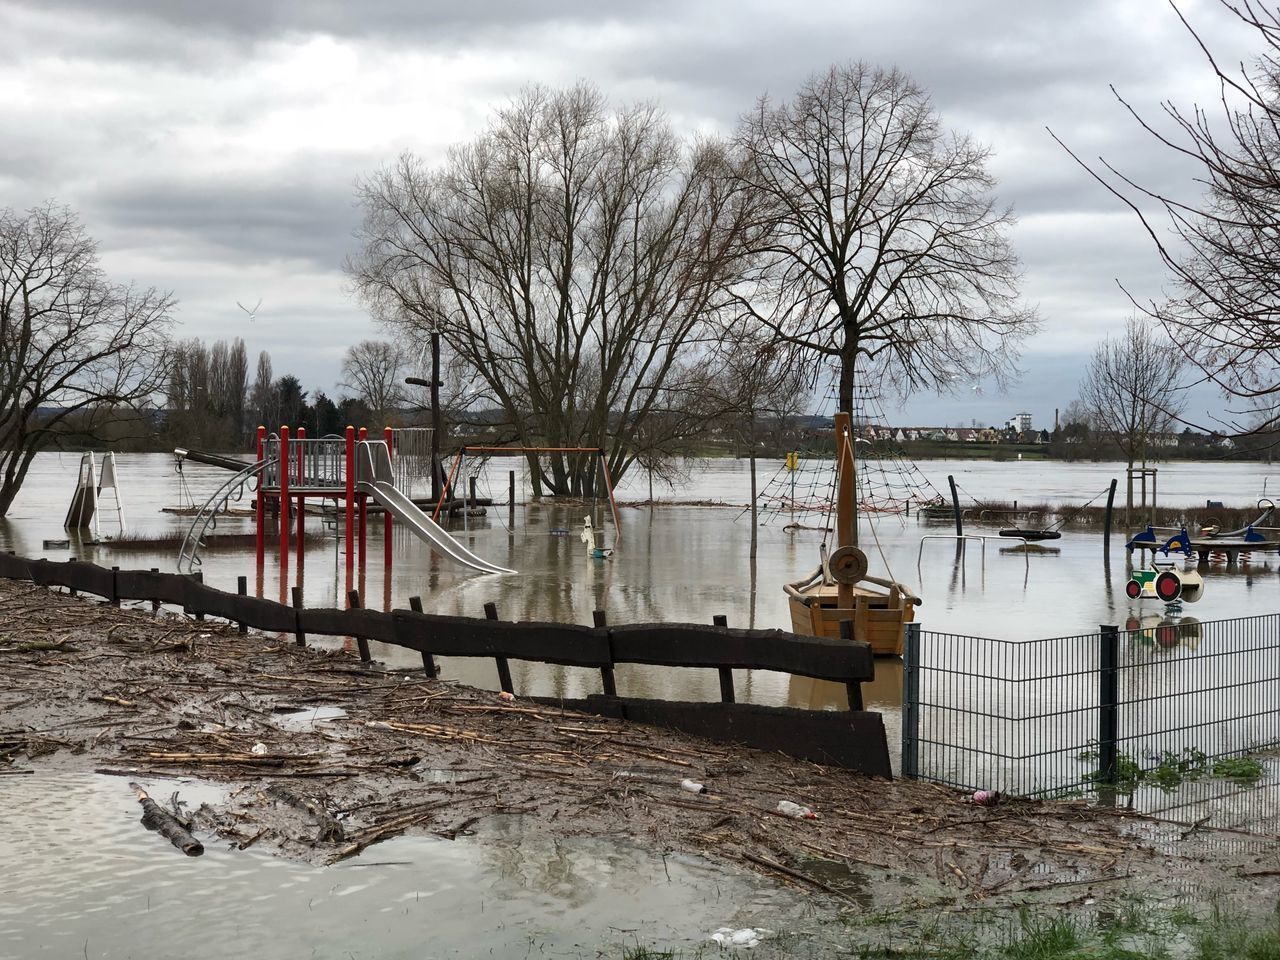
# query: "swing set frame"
{"type": "Point", "coordinates": [460, 458]}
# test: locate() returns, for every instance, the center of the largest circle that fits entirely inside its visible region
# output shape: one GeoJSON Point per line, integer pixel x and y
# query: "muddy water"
{"type": "Point", "coordinates": [82, 878]}
{"type": "Point", "coordinates": [681, 563]}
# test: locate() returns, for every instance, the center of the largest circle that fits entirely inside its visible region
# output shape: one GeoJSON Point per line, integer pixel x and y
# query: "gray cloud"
{"type": "Point", "coordinates": [212, 146]}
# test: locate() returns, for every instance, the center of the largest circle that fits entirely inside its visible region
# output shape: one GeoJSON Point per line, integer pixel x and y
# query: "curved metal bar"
{"type": "Point", "coordinates": [189, 552]}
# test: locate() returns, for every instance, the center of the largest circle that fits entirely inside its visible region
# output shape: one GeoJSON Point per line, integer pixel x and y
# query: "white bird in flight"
{"type": "Point", "coordinates": [252, 313]}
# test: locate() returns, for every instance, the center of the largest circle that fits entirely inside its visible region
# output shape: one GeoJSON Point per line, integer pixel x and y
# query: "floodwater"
{"type": "Point", "coordinates": [688, 563]}
{"type": "Point", "coordinates": [82, 878]}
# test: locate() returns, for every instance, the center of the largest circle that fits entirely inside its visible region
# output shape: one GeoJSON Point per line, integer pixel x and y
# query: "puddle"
{"type": "Point", "coordinates": [83, 878]}
{"type": "Point", "coordinates": [308, 718]}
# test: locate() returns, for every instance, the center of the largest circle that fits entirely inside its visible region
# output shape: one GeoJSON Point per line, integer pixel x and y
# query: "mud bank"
{"type": "Point", "coordinates": [321, 757]}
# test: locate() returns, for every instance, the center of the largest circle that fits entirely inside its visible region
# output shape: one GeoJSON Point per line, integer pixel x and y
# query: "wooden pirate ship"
{"type": "Point", "coordinates": [840, 590]}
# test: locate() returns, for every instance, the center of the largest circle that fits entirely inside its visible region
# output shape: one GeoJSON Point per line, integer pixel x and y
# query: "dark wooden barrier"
{"type": "Point", "coordinates": [563, 643]}
{"type": "Point", "coordinates": [356, 622]}
{"type": "Point", "coordinates": [76, 575]}
{"type": "Point", "coordinates": [851, 739]}
{"type": "Point", "coordinates": [694, 645]}
{"type": "Point", "coordinates": [153, 585]}
{"type": "Point", "coordinates": [256, 612]}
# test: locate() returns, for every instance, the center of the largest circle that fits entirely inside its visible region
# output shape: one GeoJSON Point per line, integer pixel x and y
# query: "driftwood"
{"type": "Point", "coordinates": [330, 830]}
{"type": "Point", "coordinates": [166, 824]}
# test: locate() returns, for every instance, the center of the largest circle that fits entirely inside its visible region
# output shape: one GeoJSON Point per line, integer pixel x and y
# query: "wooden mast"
{"type": "Point", "coordinates": [846, 535]}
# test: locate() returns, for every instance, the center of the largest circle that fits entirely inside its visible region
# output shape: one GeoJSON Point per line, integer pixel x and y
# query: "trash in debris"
{"type": "Point", "coordinates": [799, 811]}
{"type": "Point", "coordinates": [746, 937]}
{"type": "Point", "coordinates": [259, 749]}
{"type": "Point", "coordinates": [986, 798]}
{"type": "Point", "coordinates": [693, 786]}
{"type": "Point", "coordinates": [506, 696]}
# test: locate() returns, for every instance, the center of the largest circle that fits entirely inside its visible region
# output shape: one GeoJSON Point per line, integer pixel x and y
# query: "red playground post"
{"type": "Point", "coordinates": [386, 527]}
{"type": "Point", "coordinates": [364, 518]}
{"type": "Point", "coordinates": [351, 499]}
{"type": "Point", "coordinates": [284, 500]}
{"type": "Point", "coordinates": [260, 538]}
{"type": "Point", "coordinates": [302, 500]}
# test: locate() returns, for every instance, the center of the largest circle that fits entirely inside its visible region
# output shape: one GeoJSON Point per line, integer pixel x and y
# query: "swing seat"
{"type": "Point", "coordinates": [1032, 534]}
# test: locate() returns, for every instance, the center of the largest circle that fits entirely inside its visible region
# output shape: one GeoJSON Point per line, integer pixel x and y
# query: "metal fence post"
{"type": "Point", "coordinates": [1108, 702]}
{"type": "Point", "coordinates": [910, 766]}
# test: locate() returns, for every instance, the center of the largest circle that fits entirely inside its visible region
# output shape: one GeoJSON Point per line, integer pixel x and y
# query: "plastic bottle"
{"type": "Point", "coordinates": [796, 810]}
{"type": "Point", "coordinates": [693, 786]}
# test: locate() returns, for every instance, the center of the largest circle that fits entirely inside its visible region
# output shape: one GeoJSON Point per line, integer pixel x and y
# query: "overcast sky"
{"type": "Point", "coordinates": [211, 146]}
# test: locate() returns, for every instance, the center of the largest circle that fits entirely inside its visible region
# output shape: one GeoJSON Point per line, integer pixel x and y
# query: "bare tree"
{"type": "Point", "coordinates": [263, 397]}
{"type": "Point", "coordinates": [1221, 246]}
{"type": "Point", "coordinates": [374, 370]}
{"type": "Point", "coordinates": [72, 343]}
{"type": "Point", "coordinates": [570, 257]}
{"type": "Point", "coordinates": [884, 246]}
{"type": "Point", "coordinates": [1132, 392]}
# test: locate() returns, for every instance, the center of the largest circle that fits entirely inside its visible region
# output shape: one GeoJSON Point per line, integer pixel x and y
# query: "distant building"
{"type": "Point", "coordinates": [1019, 422]}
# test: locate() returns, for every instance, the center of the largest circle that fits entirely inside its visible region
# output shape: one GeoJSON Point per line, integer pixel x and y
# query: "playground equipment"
{"type": "Point", "coordinates": [350, 469]}
{"type": "Point", "coordinates": [1162, 581]}
{"type": "Point", "coordinates": [84, 510]}
{"type": "Point", "coordinates": [374, 478]}
{"type": "Point", "coordinates": [1233, 543]}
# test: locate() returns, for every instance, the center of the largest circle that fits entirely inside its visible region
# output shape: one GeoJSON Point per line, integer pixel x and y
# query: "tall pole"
{"type": "Point", "coordinates": [259, 506]}
{"type": "Point", "coordinates": [846, 519]}
{"type": "Point", "coordinates": [435, 415]}
{"type": "Point", "coordinates": [284, 501]}
{"type": "Point", "coordinates": [349, 498]}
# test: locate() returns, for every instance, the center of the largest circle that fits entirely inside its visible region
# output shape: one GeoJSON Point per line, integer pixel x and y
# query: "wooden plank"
{"type": "Point", "coordinates": [563, 643]}
{"type": "Point", "coordinates": [694, 645]}
{"type": "Point", "coordinates": [76, 574]}
{"type": "Point", "coordinates": [14, 567]}
{"type": "Point", "coordinates": [256, 612]}
{"type": "Point", "coordinates": [356, 622]}
{"type": "Point", "coordinates": [152, 585]}
{"type": "Point", "coordinates": [853, 740]}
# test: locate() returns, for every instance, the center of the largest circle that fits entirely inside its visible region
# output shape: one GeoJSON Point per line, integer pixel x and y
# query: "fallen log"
{"type": "Point", "coordinates": [166, 824]}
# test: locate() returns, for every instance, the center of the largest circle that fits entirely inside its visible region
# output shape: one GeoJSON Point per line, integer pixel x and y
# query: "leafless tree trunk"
{"type": "Point", "coordinates": [571, 257]}
{"type": "Point", "coordinates": [72, 343]}
{"type": "Point", "coordinates": [884, 247]}
{"type": "Point", "coordinates": [262, 398]}
{"type": "Point", "coordinates": [1132, 392]}
{"type": "Point", "coordinates": [374, 370]}
{"type": "Point", "coordinates": [1221, 246]}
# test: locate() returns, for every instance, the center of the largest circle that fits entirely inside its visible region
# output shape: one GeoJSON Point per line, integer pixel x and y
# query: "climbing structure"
{"type": "Point", "coordinates": [888, 482]}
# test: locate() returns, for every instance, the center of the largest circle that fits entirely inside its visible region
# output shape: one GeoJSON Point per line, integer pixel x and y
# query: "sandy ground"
{"type": "Point", "coordinates": [87, 687]}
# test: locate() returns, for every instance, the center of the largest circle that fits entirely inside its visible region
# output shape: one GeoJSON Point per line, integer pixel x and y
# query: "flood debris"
{"type": "Point", "coordinates": [155, 817]}
{"type": "Point", "coordinates": [150, 698]}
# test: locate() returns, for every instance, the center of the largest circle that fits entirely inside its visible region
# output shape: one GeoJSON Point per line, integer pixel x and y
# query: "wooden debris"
{"type": "Point", "coordinates": [167, 825]}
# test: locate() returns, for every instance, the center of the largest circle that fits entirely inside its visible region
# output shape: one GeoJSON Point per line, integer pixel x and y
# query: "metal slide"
{"type": "Point", "coordinates": [373, 470]}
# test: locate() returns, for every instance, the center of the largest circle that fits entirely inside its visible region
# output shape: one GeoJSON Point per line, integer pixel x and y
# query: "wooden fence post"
{"type": "Point", "coordinates": [115, 591]}
{"type": "Point", "coordinates": [601, 621]}
{"type": "Point", "coordinates": [298, 635]}
{"type": "Point", "coordinates": [726, 674]}
{"type": "Point", "coordinates": [242, 588]}
{"type": "Point", "coordinates": [199, 578]}
{"type": "Point", "coordinates": [428, 661]}
{"type": "Point", "coordinates": [504, 668]}
{"type": "Point", "coordinates": [1109, 704]}
{"type": "Point", "coordinates": [853, 689]}
{"type": "Point", "coordinates": [353, 598]}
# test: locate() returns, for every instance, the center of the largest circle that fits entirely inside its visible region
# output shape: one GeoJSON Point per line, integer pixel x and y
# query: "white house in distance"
{"type": "Point", "coordinates": [1020, 422]}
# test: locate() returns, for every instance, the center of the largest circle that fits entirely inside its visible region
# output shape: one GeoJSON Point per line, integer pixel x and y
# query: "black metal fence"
{"type": "Point", "coordinates": [1071, 713]}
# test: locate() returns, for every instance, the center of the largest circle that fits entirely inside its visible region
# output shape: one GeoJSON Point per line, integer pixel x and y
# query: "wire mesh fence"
{"type": "Point", "coordinates": [1069, 714]}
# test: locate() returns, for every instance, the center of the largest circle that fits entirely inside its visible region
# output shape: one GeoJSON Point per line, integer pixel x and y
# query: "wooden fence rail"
{"type": "Point", "coordinates": [852, 739]}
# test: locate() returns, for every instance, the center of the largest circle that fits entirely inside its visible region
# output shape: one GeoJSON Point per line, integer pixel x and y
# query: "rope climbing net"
{"type": "Point", "coordinates": [888, 482]}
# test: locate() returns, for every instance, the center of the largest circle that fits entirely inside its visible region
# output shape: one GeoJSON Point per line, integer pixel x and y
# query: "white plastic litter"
{"type": "Point", "coordinates": [746, 937]}
{"type": "Point", "coordinates": [789, 809]}
{"type": "Point", "coordinates": [259, 749]}
{"type": "Point", "coordinates": [693, 786]}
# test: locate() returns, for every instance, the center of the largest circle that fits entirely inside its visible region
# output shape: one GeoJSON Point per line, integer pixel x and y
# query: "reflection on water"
{"type": "Point", "coordinates": [84, 879]}
{"type": "Point", "coordinates": [685, 564]}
